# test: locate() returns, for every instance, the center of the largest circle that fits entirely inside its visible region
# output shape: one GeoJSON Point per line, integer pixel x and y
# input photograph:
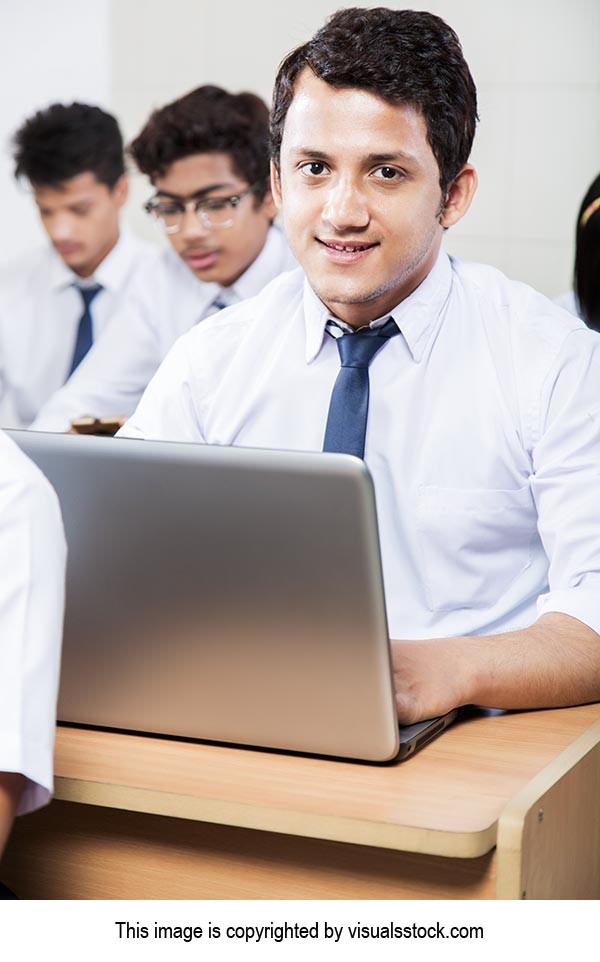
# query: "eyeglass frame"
{"type": "Point", "coordinates": [195, 203]}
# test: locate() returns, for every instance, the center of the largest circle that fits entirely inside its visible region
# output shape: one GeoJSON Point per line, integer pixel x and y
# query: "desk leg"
{"type": "Point", "coordinates": [549, 834]}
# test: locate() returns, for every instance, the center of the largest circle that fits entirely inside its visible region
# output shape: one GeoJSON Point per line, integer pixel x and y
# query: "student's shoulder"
{"type": "Point", "coordinates": [518, 310]}
{"type": "Point", "coordinates": [26, 271]}
{"type": "Point", "coordinates": [568, 302]}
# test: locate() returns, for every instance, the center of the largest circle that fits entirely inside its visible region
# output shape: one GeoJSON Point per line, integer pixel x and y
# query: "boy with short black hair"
{"type": "Point", "coordinates": [57, 301]}
{"type": "Point", "coordinates": [472, 398]}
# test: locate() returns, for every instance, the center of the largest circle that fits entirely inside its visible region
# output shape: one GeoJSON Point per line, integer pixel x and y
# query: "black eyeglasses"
{"type": "Point", "coordinates": [210, 211]}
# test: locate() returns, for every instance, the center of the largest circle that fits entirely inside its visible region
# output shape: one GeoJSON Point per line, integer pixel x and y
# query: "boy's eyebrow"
{"type": "Point", "coordinates": [389, 158]}
{"type": "Point", "coordinates": [310, 152]}
{"type": "Point", "coordinates": [376, 158]}
{"type": "Point", "coordinates": [196, 193]}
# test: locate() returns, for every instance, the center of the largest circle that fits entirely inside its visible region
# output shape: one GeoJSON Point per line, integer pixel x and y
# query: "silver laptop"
{"type": "Point", "coordinates": [224, 594]}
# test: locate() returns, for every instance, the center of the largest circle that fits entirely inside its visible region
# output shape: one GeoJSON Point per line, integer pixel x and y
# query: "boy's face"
{"type": "Point", "coordinates": [358, 187]}
{"type": "Point", "coordinates": [213, 253]}
{"type": "Point", "coordinates": [81, 218]}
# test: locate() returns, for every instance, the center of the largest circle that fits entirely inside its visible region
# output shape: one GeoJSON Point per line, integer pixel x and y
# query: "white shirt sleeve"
{"type": "Point", "coordinates": [111, 379]}
{"type": "Point", "coordinates": [32, 569]}
{"type": "Point", "coordinates": [566, 480]}
{"type": "Point", "coordinates": [167, 410]}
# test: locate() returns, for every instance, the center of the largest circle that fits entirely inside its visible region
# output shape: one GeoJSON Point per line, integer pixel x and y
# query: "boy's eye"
{"type": "Point", "coordinates": [214, 205]}
{"type": "Point", "coordinates": [164, 210]}
{"type": "Point", "coordinates": [315, 168]}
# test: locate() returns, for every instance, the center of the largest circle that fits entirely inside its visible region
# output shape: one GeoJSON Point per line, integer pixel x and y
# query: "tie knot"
{"type": "Point", "coordinates": [88, 293]}
{"type": "Point", "coordinates": [359, 349]}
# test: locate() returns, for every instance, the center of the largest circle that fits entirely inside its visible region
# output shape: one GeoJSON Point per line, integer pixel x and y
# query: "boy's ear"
{"type": "Point", "coordinates": [459, 196]}
{"type": "Point", "coordinates": [275, 185]}
{"type": "Point", "coordinates": [121, 189]}
{"type": "Point", "coordinates": [268, 204]}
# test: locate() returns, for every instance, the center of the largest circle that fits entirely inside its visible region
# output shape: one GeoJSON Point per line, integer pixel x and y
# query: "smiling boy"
{"type": "Point", "coordinates": [473, 399]}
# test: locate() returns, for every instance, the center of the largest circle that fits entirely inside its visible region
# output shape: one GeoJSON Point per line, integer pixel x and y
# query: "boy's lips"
{"type": "Point", "coordinates": [201, 259]}
{"type": "Point", "coordinates": [66, 250]}
{"type": "Point", "coordinates": [345, 252]}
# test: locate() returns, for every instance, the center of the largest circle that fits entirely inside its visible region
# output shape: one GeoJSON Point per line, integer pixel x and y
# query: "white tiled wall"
{"type": "Point", "coordinates": [536, 64]}
{"type": "Point", "coordinates": [57, 51]}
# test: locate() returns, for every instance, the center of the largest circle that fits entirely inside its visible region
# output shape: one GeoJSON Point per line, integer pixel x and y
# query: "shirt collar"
{"type": "Point", "coordinates": [416, 315]}
{"type": "Point", "coordinates": [112, 273]}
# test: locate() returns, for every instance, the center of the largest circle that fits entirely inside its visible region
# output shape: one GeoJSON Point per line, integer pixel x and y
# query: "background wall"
{"type": "Point", "coordinates": [535, 63]}
{"type": "Point", "coordinates": [57, 51]}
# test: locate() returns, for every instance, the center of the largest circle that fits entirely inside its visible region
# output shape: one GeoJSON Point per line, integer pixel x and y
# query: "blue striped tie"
{"type": "Point", "coordinates": [349, 406]}
{"type": "Point", "coordinates": [84, 331]}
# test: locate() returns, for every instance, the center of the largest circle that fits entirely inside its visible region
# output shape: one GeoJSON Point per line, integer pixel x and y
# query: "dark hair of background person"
{"type": "Point", "coordinates": [587, 259]}
{"type": "Point", "coordinates": [66, 140]}
{"type": "Point", "coordinates": [402, 56]}
{"type": "Point", "coordinates": [208, 120]}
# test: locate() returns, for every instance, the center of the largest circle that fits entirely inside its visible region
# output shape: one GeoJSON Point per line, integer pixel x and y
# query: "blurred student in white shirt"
{"type": "Point", "coordinates": [584, 299]}
{"type": "Point", "coordinates": [207, 158]}
{"type": "Point", "coordinates": [32, 570]}
{"type": "Point", "coordinates": [472, 398]}
{"type": "Point", "coordinates": [56, 301]}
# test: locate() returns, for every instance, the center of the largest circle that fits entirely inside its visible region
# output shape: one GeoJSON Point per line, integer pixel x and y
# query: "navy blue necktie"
{"type": "Point", "coordinates": [84, 331]}
{"type": "Point", "coordinates": [349, 405]}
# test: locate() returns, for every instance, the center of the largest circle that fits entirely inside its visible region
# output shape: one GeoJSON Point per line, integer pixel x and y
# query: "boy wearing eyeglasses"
{"type": "Point", "coordinates": [207, 158]}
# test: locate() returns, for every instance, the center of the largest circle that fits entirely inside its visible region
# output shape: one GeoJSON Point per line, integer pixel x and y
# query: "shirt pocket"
{"type": "Point", "coordinates": [474, 543]}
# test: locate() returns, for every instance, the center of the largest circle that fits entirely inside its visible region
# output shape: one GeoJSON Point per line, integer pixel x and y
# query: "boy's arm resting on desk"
{"type": "Point", "coordinates": [552, 664]}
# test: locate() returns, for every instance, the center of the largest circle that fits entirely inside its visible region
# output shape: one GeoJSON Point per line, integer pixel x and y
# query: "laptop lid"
{"type": "Point", "coordinates": [221, 593]}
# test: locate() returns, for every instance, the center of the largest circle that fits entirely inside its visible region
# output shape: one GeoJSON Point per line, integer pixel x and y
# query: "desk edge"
{"type": "Point", "coordinates": [353, 831]}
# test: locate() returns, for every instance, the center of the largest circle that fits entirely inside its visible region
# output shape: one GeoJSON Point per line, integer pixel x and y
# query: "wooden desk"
{"type": "Point", "coordinates": [505, 807]}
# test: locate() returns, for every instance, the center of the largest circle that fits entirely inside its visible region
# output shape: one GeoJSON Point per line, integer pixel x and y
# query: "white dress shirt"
{"type": "Point", "coordinates": [40, 310]}
{"type": "Point", "coordinates": [165, 302]}
{"type": "Point", "coordinates": [568, 301]}
{"type": "Point", "coordinates": [32, 574]}
{"type": "Point", "coordinates": [483, 437]}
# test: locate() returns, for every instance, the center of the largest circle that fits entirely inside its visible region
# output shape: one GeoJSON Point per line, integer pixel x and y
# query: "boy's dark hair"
{"type": "Point", "coordinates": [206, 121]}
{"type": "Point", "coordinates": [587, 257]}
{"type": "Point", "coordinates": [63, 141]}
{"type": "Point", "coordinates": [403, 56]}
